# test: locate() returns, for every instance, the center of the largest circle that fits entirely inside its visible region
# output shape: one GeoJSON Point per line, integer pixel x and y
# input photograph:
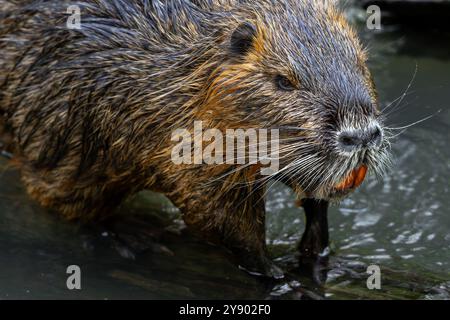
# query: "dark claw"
{"type": "Point", "coordinates": [317, 269]}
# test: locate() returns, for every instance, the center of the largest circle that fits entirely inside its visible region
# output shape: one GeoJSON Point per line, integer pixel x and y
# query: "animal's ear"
{"type": "Point", "coordinates": [242, 38]}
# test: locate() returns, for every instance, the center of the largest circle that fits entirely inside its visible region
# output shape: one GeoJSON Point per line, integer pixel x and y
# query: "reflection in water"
{"type": "Point", "coordinates": [401, 223]}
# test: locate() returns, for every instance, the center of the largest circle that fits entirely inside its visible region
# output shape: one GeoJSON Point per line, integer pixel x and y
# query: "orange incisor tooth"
{"type": "Point", "coordinates": [347, 182]}
{"type": "Point", "coordinates": [360, 176]}
{"type": "Point", "coordinates": [354, 179]}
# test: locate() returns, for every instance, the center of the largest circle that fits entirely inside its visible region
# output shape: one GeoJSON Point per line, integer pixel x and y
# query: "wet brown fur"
{"type": "Point", "coordinates": [91, 127]}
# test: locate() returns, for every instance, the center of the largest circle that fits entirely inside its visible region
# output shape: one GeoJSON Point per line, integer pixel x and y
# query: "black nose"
{"type": "Point", "coordinates": [360, 138]}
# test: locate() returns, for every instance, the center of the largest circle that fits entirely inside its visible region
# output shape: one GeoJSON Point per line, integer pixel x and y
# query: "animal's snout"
{"type": "Point", "coordinates": [355, 139]}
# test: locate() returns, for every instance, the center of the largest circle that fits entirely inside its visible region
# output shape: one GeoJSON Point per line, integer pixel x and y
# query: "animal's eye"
{"type": "Point", "coordinates": [284, 83]}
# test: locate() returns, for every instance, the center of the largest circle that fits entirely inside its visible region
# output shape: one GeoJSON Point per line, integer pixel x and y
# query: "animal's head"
{"type": "Point", "coordinates": [298, 66]}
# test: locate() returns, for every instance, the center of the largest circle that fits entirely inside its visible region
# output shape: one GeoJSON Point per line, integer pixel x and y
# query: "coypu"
{"type": "Point", "coordinates": [91, 110]}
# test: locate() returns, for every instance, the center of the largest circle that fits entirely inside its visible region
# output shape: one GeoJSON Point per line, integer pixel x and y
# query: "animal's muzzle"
{"type": "Point", "coordinates": [357, 139]}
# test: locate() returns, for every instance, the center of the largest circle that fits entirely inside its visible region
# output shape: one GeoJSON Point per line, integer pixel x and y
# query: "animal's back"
{"type": "Point", "coordinates": [34, 34]}
{"type": "Point", "coordinates": [75, 99]}
{"type": "Point", "coordinates": [67, 81]}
